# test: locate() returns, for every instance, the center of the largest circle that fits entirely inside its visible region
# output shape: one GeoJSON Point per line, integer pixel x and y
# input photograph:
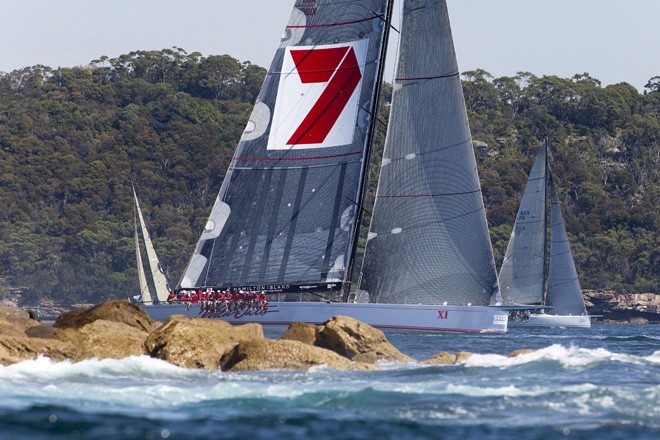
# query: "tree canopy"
{"type": "Point", "coordinates": [73, 140]}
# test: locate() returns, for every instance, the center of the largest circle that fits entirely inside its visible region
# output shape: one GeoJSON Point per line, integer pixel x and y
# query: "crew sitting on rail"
{"type": "Point", "coordinates": [171, 297]}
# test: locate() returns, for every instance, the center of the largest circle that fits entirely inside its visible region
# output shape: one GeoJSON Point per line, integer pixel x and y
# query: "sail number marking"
{"type": "Point", "coordinates": [338, 66]}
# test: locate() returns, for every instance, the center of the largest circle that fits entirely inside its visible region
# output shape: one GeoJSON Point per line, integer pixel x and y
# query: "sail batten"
{"type": "Point", "coordinates": [428, 240]}
{"type": "Point", "coordinates": [284, 216]}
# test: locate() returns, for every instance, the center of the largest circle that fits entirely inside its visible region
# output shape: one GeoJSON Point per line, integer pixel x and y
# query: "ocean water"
{"type": "Point", "coordinates": [599, 383]}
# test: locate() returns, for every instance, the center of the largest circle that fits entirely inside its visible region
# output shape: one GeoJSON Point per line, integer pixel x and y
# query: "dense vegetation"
{"type": "Point", "coordinates": [73, 139]}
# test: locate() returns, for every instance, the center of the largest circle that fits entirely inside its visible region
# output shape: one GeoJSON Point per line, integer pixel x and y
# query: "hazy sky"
{"type": "Point", "coordinates": [612, 40]}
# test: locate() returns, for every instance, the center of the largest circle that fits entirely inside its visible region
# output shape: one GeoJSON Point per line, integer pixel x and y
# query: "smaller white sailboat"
{"type": "Point", "coordinates": [157, 275]}
{"type": "Point", "coordinates": [533, 274]}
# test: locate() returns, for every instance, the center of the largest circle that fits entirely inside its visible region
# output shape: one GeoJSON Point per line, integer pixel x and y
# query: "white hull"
{"type": "Point", "coordinates": [543, 320]}
{"type": "Point", "coordinates": [460, 319]}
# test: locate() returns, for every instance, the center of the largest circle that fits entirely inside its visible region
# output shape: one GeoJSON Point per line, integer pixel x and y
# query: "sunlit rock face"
{"type": "Point", "coordinates": [357, 341]}
{"type": "Point", "coordinates": [197, 342]}
{"type": "Point", "coordinates": [284, 354]}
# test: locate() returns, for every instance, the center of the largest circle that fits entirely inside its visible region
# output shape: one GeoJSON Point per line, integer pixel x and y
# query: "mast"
{"type": "Point", "coordinates": [546, 203]}
{"type": "Point", "coordinates": [366, 161]}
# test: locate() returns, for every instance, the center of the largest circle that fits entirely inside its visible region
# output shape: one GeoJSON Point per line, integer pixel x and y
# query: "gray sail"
{"type": "Point", "coordinates": [522, 272]}
{"type": "Point", "coordinates": [563, 291]}
{"type": "Point", "coordinates": [428, 241]}
{"type": "Point", "coordinates": [285, 213]}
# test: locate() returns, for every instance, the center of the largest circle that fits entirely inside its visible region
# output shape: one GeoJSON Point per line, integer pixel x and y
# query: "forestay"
{"type": "Point", "coordinates": [286, 210]}
{"type": "Point", "coordinates": [522, 271]}
{"type": "Point", "coordinates": [428, 240]}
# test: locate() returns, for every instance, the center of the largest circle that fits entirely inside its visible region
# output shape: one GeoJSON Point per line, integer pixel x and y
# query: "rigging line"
{"type": "Point", "coordinates": [385, 21]}
{"type": "Point", "coordinates": [374, 116]}
{"type": "Point", "coordinates": [360, 207]}
{"type": "Point", "coordinates": [344, 23]}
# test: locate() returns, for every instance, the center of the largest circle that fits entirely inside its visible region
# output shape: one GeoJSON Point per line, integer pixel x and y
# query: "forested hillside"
{"type": "Point", "coordinates": [73, 139]}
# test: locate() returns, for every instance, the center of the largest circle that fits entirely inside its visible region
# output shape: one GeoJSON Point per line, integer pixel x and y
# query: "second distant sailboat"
{"type": "Point", "coordinates": [533, 274]}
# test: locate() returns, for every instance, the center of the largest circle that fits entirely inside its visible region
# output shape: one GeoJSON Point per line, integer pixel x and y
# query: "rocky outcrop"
{"type": "Point", "coordinates": [284, 354]}
{"type": "Point", "coordinates": [17, 349]}
{"type": "Point", "coordinates": [198, 342]}
{"type": "Point", "coordinates": [357, 341]}
{"type": "Point", "coordinates": [445, 358]}
{"type": "Point", "coordinates": [121, 311]}
{"type": "Point", "coordinates": [515, 353]}
{"type": "Point", "coordinates": [102, 339]}
{"type": "Point", "coordinates": [20, 320]}
{"type": "Point", "coordinates": [622, 306]}
{"type": "Point", "coordinates": [300, 331]}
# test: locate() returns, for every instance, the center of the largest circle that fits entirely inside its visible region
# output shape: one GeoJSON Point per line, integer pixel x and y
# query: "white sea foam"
{"type": "Point", "coordinates": [568, 357]}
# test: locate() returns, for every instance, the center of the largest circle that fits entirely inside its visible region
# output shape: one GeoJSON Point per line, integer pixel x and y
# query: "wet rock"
{"type": "Point", "coordinates": [446, 358]}
{"type": "Point", "coordinates": [18, 349]}
{"type": "Point", "coordinates": [198, 342]}
{"type": "Point", "coordinates": [299, 331]}
{"type": "Point", "coordinates": [103, 339]}
{"type": "Point", "coordinates": [121, 311]}
{"type": "Point", "coordinates": [515, 353]}
{"type": "Point", "coordinates": [284, 354]}
{"type": "Point", "coordinates": [357, 341]}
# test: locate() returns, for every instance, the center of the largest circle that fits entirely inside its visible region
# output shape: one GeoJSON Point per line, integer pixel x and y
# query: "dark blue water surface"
{"type": "Point", "coordinates": [598, 383]}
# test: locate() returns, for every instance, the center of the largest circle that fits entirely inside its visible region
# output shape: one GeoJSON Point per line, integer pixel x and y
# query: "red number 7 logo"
{"type": "Point", "coordinates": [338, 67]}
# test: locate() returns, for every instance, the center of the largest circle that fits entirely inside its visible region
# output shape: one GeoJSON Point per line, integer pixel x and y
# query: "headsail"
{"type": "Point", "coordinates": [145, 293]}
{"type": "Point", "coordinates": [285, 214]}
{"type": "Point", "coordinates": [157, 274]}
{"type": "Point", "coordinates": [522, 272]}
{"type": "Point", "coordinates": [563, 292]}
{"type": "Point", "coordinates": [428, 241]}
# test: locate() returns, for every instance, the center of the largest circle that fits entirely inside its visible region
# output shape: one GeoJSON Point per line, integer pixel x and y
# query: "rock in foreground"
{"type": "Point", "coordinates": [357, 341]}
{"type": "Point", "coordinates": [445, 358]}
{"type": "Point", "coordinates": [121, 311]}
{"type": "Point", "coordinates": [198, 342]}
{"type": "Point", "coordinates": [284, 354]}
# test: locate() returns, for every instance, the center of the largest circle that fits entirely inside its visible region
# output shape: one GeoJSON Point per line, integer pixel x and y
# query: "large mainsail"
{"type": "Point", "coordinates": [563, 291]}
{"type": "Point", "coordinates": [285, 214]}
{"type": "Point", "coordinates": [428, 241]}
{"type": "Point", "coordinates": [522, 271]}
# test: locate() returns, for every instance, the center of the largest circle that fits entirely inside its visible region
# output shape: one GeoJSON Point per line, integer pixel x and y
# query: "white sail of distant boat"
{"type": "Point", "coordinates": [287, 216]}
{"type": "Point", "coordinates": [533, 274]}
{"type": "Point", "coordinates": [157, 275]}
{"type": "Point", "coordinates": [145, 293]}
